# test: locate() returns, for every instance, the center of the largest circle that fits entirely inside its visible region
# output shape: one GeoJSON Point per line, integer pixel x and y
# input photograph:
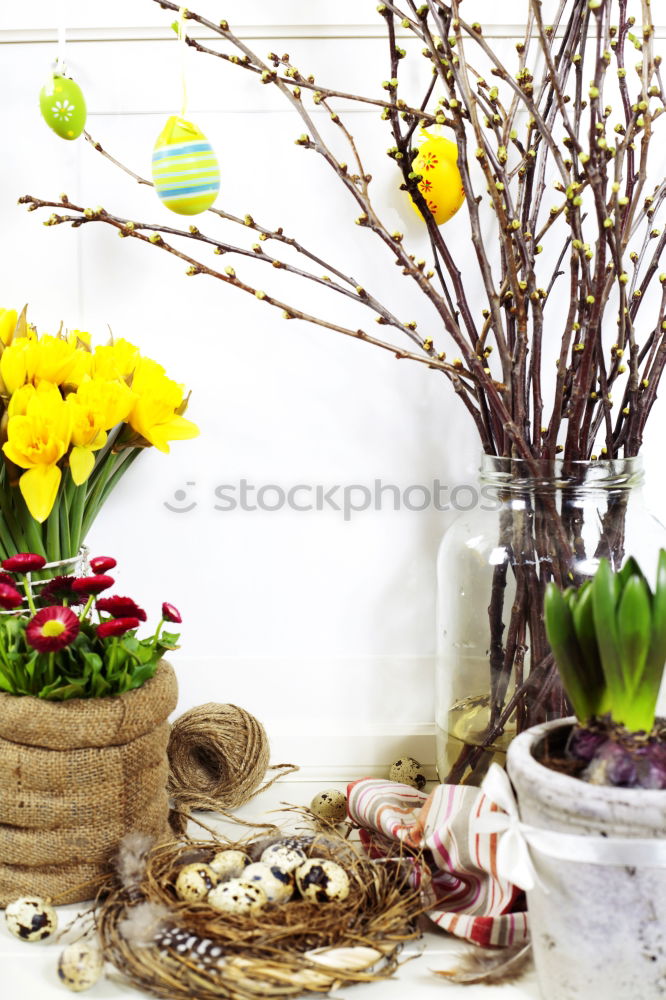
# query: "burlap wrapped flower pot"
{"type": "Point", "coordinates": [75, 777]}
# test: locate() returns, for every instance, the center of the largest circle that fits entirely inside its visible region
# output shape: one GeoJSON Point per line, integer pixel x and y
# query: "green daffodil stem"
{"type": "Point", "coordinates": [53, 532]}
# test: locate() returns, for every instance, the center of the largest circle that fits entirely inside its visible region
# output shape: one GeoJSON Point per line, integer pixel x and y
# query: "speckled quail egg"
{"type": "Point", "coordinates": [330, 805]}
{"type": "Point", "coordinates": [237, 896]}
{"type": "Point", "coordinates": [284, 857]}
{"type": "Point", "coordinates": [408, 772]}
{"type": "Point", "coordinates": [229, 864]}
{"type": "Point", "coordinates": [31, 918]}
{"type": "Point", "coordinates": [277, 884]}
{"type": "Point", "coordinates": [194, 882]}
{"type": "Point", "coordinates": [80, 965]}
{"type": "Point", "coordinates": [322, 881]}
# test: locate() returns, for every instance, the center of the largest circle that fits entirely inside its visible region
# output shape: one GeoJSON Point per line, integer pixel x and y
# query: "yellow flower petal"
{"type": "Point", "coordinates": [13, 365]}
{"type": "Point", "coordinates": [8, 319]}
{"type": "Point", "coordinates": [18, 404]}
{"type": "Point", "coordinates": [81, 464]}
{"type": "Point", "coordinates": [176, 429]}
{"type": "Point", "coordinates": [39, 488]}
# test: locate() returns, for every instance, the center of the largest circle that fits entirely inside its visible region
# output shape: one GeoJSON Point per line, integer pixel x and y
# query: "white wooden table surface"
{"type": "Point", "coordinates": [29, 970]}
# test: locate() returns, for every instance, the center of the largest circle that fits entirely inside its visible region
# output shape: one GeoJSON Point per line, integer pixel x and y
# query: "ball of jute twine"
{"type": "Point", "coordinates": [218, 757]}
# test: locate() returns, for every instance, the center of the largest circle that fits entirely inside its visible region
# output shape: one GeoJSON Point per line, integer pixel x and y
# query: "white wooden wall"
{"type": "Point", "coordinates": [322, 627]}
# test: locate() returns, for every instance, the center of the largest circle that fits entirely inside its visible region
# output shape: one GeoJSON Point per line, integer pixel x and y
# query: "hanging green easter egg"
{"type": "Point", "coordinates": [185, 168]}
{"type": "Point", "coordinates": [63, 107]}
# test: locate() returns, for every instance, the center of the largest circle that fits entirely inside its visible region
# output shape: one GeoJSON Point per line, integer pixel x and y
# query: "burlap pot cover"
{"type": "Point", "coordinates": [75, 777]}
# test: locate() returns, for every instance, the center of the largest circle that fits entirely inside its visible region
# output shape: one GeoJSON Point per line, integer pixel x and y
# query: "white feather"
{"type": "Point", "coordinates": [131, 860]}
{"type": "Point", "coordinates": [142, 923]}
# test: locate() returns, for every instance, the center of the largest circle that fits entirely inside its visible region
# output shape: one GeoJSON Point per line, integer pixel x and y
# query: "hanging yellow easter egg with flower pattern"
{"type": "Point", "coordinates": [441, 184]}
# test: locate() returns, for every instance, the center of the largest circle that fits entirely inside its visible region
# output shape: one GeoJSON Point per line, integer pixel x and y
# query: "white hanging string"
{"type": "Point", "coordinates": [182, 45]}
{"type": "Point", "coordinates": [62, 33]}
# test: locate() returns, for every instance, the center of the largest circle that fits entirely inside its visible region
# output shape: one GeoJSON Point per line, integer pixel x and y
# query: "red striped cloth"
{"type": "Point", "coordinates": [469, 898]}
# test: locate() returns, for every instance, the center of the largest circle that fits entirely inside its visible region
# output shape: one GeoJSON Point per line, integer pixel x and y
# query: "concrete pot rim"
{"type": "Point", "coordinates": [521, 756]}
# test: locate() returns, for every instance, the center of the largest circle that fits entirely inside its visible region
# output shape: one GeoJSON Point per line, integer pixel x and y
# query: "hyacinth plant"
{"type": "Point", "coordinates": [73, 420]}
{"type": "Point", "coordinates": [609, 641]}
{"type": "Point", "coordinates": [554, 339]}
{"type": "Point", "coordinates": [59, 639]}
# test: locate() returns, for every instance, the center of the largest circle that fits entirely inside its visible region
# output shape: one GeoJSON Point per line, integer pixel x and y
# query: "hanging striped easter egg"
{"type": "Point", "coordinates": [185, 169]}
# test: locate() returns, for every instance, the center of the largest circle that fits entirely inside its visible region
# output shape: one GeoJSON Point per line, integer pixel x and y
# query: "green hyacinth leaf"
{"type": "Point", "coordinates": [630, 568]}
{"type": "Point", "coordinates": [634, 620]}
{"type": "Point", "coordinates": [605, 593]}
{"type": "Point", "coordinates": [568, 656]}
{"type": "Point", "coordinates": [583, 617]}
{"type": "Point", "coordinates": [647, 688]}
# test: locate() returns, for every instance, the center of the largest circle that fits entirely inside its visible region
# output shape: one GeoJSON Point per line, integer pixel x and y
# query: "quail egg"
{"type": "Point", "coordinates": [229, 864]}
{"type": "Point", "coordinates": [194, 882]}
{"type": "Point", "coordinates": [408, 772]}
{"type": "Point", "coordinates": [330, 805]}
{"type": "Point", "coordinates": [31, 918]}
{"type": "Point", "coordinates": [322, 881]}
{"type": "Point", "coordinates": [80, 966]}
{"type": "Point", "coordinates": [237, 896]}
{"type": "Point", "coordinates": [284, 856]}
{"type": "Point", "coordinates": [277, 884]}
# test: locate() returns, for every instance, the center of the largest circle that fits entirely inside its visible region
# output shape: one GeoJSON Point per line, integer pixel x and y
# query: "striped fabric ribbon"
{"type": "Point", "coordinates": [470, 899]}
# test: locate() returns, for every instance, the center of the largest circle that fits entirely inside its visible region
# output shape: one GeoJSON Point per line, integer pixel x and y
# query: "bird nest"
{"type": "Point", "coordinates": [176, 949]}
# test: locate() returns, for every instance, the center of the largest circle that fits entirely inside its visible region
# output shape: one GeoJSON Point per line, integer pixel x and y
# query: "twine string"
{"type": "Point", "coordinates": [218, 757]}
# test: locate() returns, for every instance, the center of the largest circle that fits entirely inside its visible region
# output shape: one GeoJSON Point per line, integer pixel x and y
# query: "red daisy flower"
{"type": "Point", "coordinates": [170, 613]}
{"type": "Point", "coordinates": [116, 626]}
{"type": "Point", "coordinates": [9, 597]}
{"type": "Point", "coordinates": [92, 584]}
{"type": "Point", "coordinates": [100, 564]}
{"type": "Point", "coordinates": [121, 607]}
{"type": "Point", "coordinates": [24, 562]}
{"type": "Point", "coordinates": [52, 629]}
{"type": "Point", "coordinates": [57, 589]}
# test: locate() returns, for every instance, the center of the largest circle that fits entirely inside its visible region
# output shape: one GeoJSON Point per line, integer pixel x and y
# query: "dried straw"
{"type": "Point", "coordinates": [269, 954]}
{"type": "Point", "coordinates": [218, 755]}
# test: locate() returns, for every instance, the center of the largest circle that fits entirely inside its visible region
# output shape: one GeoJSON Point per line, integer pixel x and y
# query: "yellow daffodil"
{"type": "Point", "coordinates": [18, 404]}
{"type": "Point", "coordinates": [155, 413]}
{"type": "Point", "coordinates": [36, 360]}
{"type": "Point", "coordinates": [14, 365]}
{"type": "Point", "coordinates": [115, 361]}
{"type": "Point", "coordinates": [37, 440]}
{"type": "Point", "coordinates": [8, 318]}
{"type": "Point", "coordinates": [52, 359]}
{"type": "Point", "coordinates": [97, 406]}
{"type": "Point", "coordinates": [80, 338]}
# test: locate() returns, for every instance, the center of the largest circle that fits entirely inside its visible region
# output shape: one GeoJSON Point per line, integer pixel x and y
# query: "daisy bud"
{"type": "Point", "coordinates": [24, 562]}
{"type": "Point", "coordinates": [170, 613]}
{"type": "Point", "coordinates": [9, 597]}
{"type": "Point", "coordinates": [92, 584]}
{"type": "Point", "coordinates": [116, 626]}
{"type": "Point", "coordinates": [100, 564]}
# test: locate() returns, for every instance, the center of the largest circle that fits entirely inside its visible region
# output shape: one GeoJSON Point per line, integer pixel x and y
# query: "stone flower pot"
{"type": "Point", "coordinates": [598, 930]}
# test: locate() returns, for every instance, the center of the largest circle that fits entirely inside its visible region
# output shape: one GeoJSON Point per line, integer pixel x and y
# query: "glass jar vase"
{"type": "Point", "coordinates": [535, 522]}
